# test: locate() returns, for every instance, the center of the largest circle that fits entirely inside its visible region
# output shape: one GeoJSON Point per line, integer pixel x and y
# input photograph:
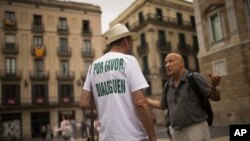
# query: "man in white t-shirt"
{"type": "Point", "coordinates": [117, 84]}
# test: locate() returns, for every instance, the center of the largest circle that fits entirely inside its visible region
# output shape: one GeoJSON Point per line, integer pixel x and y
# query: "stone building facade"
{"type": "Point", "coordinates": [162, 26]}
{"type": "Point", "coordinates": [223, 28]}
{"type": "Point", "coordinates": [46, 48]}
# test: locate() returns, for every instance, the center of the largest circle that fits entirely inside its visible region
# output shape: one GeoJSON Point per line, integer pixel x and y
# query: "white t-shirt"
{"type": "Point", "coordinates": [114, 77]}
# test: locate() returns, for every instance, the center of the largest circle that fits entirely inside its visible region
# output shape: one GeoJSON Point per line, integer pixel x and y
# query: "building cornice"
{"type": "Point", "coordinates": [138, 4]}
{"type": "Point", "coordinates": [59, 4]}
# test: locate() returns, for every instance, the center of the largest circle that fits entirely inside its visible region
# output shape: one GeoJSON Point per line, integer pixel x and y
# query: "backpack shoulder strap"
{"type": "Point", "coordinates": [166, 87]}
{"type": "Point", "coordinates": [193, 84]}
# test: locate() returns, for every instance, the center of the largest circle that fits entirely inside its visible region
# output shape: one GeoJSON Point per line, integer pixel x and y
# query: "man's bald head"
{"type": "Point", "coordinates": [177, 56]}
{"type": "Point", "coordinates": [174, 64]}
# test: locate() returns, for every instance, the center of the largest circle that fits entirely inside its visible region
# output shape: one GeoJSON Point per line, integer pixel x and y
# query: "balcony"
{"type": "Point", "coordinates": [164, 46]}
{"type": "Point", "coordinates": [38, 51]}
{"type": "Point", "coordinates": [63, 30]}
{"type": "Point", "coordinates": [39, 75]}
{"type": "Point", "coordinates": [10, 24]}
{"type": "Point", "coordinates": [40, 101]}
{"type": "Point", "coordinates": [143, 49]}
{"type": "Point", "coordinates": [88, 53]}
{"type": "Point", "coordinates": [10, 101]}
{"type": "Point", "coordinates": [66, 100]}
{"type": "Point", "coordinates": [164, 21]}
{"type": "Point", "coordinates": [10, 75]}
{"type": "Point", "coordinates": [184, 48]}
{"type": "Point", "coordinates": [10, 48]}
{"type": "Point", "coordinates": [65, 75]}
{"type": "Point", "coordinates": [87, 32]}
{"type": "Point", "coordinates": [64, 51]}
{"type": "Point", "coordinates": [38, 28]}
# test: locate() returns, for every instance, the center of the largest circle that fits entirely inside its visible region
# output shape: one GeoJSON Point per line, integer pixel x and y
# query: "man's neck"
{"type": "Point", "coordinates": [177, 77]}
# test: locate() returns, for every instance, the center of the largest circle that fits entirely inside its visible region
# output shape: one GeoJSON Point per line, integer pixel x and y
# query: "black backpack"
{"type": "Point", "coordinates": [205, 102]}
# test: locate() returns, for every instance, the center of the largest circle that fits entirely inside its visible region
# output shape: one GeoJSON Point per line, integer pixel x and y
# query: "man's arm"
{"type": "Point", "coordinates": [85, 100]}
{"type": "Point", "coordinates": [154, 103]}
{"type": "Point", "coordinates": [143, 113]}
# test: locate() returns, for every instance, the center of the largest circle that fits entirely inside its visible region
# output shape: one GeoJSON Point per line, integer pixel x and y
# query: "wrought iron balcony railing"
{"type": "Point", "coordinates": [88, 53]}
{"type": "Point", "coordinates": [38, 28]}
{"type": "Point", "coordinates": [166, 21]}
{"type": "Point", "coordinates": [63, 29]}
{"type": "Point", "coordinates": [64, 51]}
{"type": "Point", "coordinates": [143, 48]}
{"type": "Point", "coordinates": [39, 75]}
{"type": "Point", "coordinates": [10, 74]}
{"type": "Point", "coordinates": [10, 48]}
{"type": "Point", "coordinates": [10, 24]}
{"type": "Point", "coordinates": [65, 75]}
{"type": "Point", "coordinates": [164, 46]}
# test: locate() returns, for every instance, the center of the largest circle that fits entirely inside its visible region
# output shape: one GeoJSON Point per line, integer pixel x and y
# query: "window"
{"type": "Point", "coordinates": [179, 18]}
{"type": "Point", "coordinates": [87, 45]}
{"type": "Point", "coordinates": [192, 20]}
{"type": "Point", "coordinates": [9, 15]}
{"type": "Point", "coordinates": [159, 14]}
{"type": "Point", "coordinates": [86, 26]}
{"type": "Point", "coordinates": [63, 44]}
{"type": "Point", "coordinates": [62, 23]}
{"type": "Point", "coordinates": [182, 40]}
{"type": "Point", "coordinates": [10, 94]}
{"type": "Point", "coordinates": [86, 66]}
{"type": "Point", "coordinates": [65, 67]}
{"type": "Point", "coordinates": [248, 6]}
{"type": "Point", "coordinates": [37, 20]}
{"type": "Point", "coordinates": [195, 43]}
{"type": "Point", "coordinates": [185, 58]}
{"type": "Point", "coordinates": [141, 18]}
{"type": "Point", "coordinates": [39, 91]}
{"type": "Point", "coordinates": [65, 90]}
{"type": "Point", "coordinates": [143, 40]}
{"type": "Point", "coordinates": [145, 65]}
{"type": "Point", "coordinates": [10, 38]}
{"type": "Point", "coordinates": [10, 65]}
{"type": "Point", "coordinates": [219, 67]}
{"type": "Point", "coordinates": [10, 91]}
{"type": "Point", "coordinates": [162, 36]}
{"type": "Point", "coordinates": [38, 41]}
{"type": "Point", "coordinates": [215, 27]}
{"type": "Point", "coordinates": [247, 11]}
{"type": "Point", "coordinates": [10, 42]}
{"type": "Point", "coordinates": [39, 66]}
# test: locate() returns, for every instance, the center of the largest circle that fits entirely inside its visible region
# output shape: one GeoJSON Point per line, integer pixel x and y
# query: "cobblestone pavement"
{"type": "Point", "coordinates": [219, 133]}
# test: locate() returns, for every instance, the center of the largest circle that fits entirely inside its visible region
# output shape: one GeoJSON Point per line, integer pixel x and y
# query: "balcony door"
{"type": "Point", "coordinates": [10, 66]}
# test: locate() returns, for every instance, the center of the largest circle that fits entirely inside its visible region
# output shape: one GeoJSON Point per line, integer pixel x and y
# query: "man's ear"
{"type": "Point", "coordinates": [124, 42]}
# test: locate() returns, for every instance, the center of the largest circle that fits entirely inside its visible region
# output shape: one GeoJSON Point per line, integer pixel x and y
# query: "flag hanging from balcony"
{"type": "Point", "coordinates": [39, 51]}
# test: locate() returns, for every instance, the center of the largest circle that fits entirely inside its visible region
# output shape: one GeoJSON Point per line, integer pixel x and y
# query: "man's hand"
{"type": "Point", "coordinates": [214, 80]}
{"type": "Point", "coordinates": [215, 93]}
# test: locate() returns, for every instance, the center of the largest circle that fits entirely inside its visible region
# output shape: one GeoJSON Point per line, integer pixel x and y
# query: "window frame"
{"type": "Point", "coordinates": [217, 66]}
{"type": "Point", "coordinates": [9, 15]}
{"type": "Point", "coordinates": [10, 65]}
{"type": "Point", "coordinates": [219, 13]}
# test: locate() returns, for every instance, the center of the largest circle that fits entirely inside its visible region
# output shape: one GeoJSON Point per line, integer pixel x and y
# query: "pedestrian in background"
{"type": "Point", "coordinates": [117, 84]}
{"type": "Point", "coordinates": [185, 110]}
{"type": "Point", "coordinates": [43, 132]}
